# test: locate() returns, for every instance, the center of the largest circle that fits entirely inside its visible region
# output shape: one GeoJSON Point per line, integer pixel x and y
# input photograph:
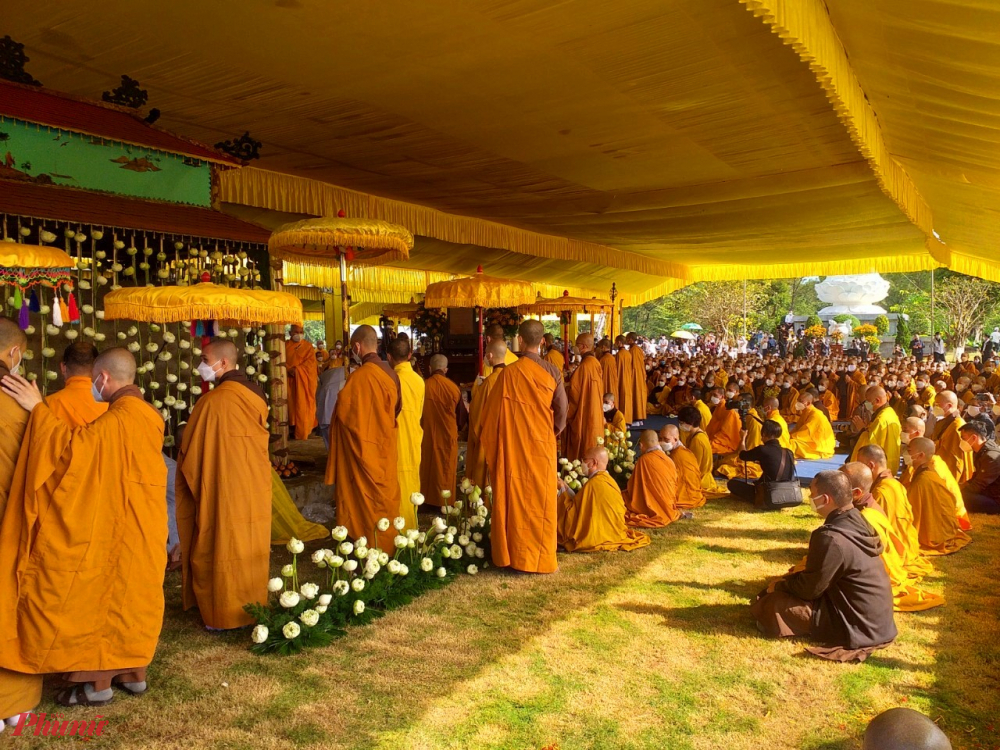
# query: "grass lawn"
{"type": "Point", "coordinates": [648, 649]}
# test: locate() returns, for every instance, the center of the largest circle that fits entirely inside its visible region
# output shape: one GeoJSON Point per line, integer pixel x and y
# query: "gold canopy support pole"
{"type": "Point", "coordinates": [345, 302]}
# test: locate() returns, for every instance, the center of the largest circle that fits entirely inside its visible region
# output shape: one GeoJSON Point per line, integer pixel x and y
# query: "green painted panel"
{"type": "Point", "coordinates": [57, 157]}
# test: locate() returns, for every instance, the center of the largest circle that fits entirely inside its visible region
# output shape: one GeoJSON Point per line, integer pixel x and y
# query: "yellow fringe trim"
{"type": "Point", "coordinates": [836, 266]}
{"type": "Point", "coordinates": [479, 291]}
{"type": "Point", "coordinates": [280, 192]}
{"type": "Point", "coordinates": [805, 26]}
{"type": "Point", "coordinates": [171, 304]}
{"type": "Point", "coordinates": [318, 241]}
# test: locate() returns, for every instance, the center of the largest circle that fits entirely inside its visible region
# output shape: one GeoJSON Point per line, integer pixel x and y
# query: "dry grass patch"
{"type": "Point", "coordinates": [648, 649]}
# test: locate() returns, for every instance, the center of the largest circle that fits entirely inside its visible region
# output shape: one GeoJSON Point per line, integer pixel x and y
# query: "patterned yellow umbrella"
{"type": "Point", "coordinates": [26, 266]}
{"type": "Point", "coordinates": [205, 301]}
{"type": "Point", "coordinates": [404, 310]}
{"type": "Point", "coordinates": [566, 304]}
{"type": "Point", "coordinates": [479, 291]}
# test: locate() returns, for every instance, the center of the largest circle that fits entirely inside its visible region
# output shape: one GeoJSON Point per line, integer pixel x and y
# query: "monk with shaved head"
{"type": "Point", "coordinates": [883, 429]}
{"type": "Point", "coordinates": [83, 545]}
{"type": "Point", "coordinates": [934, 513]}
{"type": "Point", "coordinates": [522, 418]}
{"type": "Point", "coordinates": [592, 519]}
{"type": "Point", "coordinates": [19, 692]}
{"type": "Point", "coordinates": [75, 404]}
{"type": "Point", "coordinates": [223, 486]}
{"type": "Point", "coordinates": [495, 358]}
{"type": "Point", "coordinates": [444, 414]}
{"type": "Point", "coordinates": [495, 335]}
{"type": "Point", "coordinates": [303, 379]}
{"type": "Point", "coordinates": [690, 493]}
{"type": "Point", "coordinates": [651, 494]}
{"type": "Point", "coordinates": [948, 438]}
{"type": "Point", "coordinates": [364, 447]}
{"type": "Point", "coordinates": [626, 380]}
{"type": "Point", "coordinates": [585, 393]}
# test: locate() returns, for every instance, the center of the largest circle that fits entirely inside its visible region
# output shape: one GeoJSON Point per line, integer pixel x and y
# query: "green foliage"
{"type": "Point", "coordinates": [813, 320]}
{"type": "Point", "coordinates": [882, 324]}
{"type": "Point", "coordinates": [902, 331]}
{"type": "Point", "coordinates": [847, 319]}
{"type": "Point", "coordinates": [315, 330]}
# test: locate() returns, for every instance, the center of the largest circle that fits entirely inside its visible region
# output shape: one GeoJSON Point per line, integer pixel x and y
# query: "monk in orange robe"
{"type": "Point", "coordinates": [593, 519]}
{"type": "Point", "coordinates": [609, 368]}
{"type": "Point", "coordinates": [626, 376]}
{"type": "Point", "coordinates": [724, 428]}
{"type": "Point", "coordinates": [19, 692]}
{"type": "Point", "coordinates": [83, 545]}
{"type": "Point", "coordinates": [439, 448]}
{"type": "Point", "coordinates": [948, 441]}
{"type": "Point", "coordinates": [934, 512]}
{"type": "Point", "coordinates": [639, 391]}
{"type": "Point", "coordinates": [223, 494]}
{"type": "Point", "coordinates": [525, 412]}
{"type": "Point", "coordinates": [552, 354]}
{"type": "Point", "coordinates": [363, 444]}
{"type": "Point", "coordinates": [75, 404]}
{"type": "Point", "coordinates": [585, 420]}
{"type": "Point", "coordinates": [495, 333]}
{"type": "Point", "coordinates": [303, 379]}
{"type": "Point", "coordinates": [690, 493]}
{"type": "Point", "coordinates": [651, 494]}
{"type": "Point", "coordinates": [475, 458]}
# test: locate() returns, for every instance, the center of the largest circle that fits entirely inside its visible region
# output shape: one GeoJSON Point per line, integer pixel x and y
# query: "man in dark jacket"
{"type": "Point", "coordinates": [841, 598]}
{"type": "Point", "coordinates": [982, 492]}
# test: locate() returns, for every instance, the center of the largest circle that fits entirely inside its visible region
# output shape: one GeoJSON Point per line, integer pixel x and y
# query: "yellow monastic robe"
{"type": "Point", "coordinates": [83, 546]}
{"type": "Point", "coordinates": [639, 392]}
{"type": "Point", "coordinates": [303, 379]}
{"type": "Point", "coordinates": [941, 469]}
{"type": "Point", "coordinates": [724, 430]}
{"type": "Point", "coordinates": [594, 519]}
{"type": "Point", "coordinates": [934, 514]}
{"type": "Point", "coordinates": [223, 501]}
{"type": "Point", "coordinates": [832, 403]}
{"type": "Point", "coordinates": [19, 692]}
{"type": "Point", "coordinates": [609, 369]}
{"type": "Point", "coordinates": [813, 435]}
{"type": "Point", "coordinates": [786, 403]}
{"type": "Point", "coordinates": [754, 423]}
{"type": "Point", "coordinates": [651, 494]}
{"type": "Point", "coordinates": [286, 521]}
{"type": "Point", "coordinates": [699, 445]}
{"type": "Point", "coordinates": [409, 438]}
{"type": "Point", "coordinates": [555, 357]}
{"type": "Point", "coordinates": [439, 448]}
{"type": "Point", "coordinates": [891, 497]}
{"type": "Point", "coordinates": [618, 423]}
{"type": "Point", "coordinates": [508, 359]}
{"type": "Point", "coordinates": [475, 458]}
{"type": "Point", "coordinates": [585, 418]}
{"type": "Point", "coordinates": [948, 446]}
{"type": "Point", "coordinates": [75, 404]}
{"type": "Point", "coordinates": [690, 493]}
{"type": "Point", "coordinates": [785, 440]}
{"type": "Point", "coordinates": [362, 464]}
{"type": "Point", "coordinates": [926, 397]}
{"type": "Point", "coordinates": [906, 597]}
{"type": "Point", "coordinates": [519, 442]}
{"type": "Point", "coordinates": [883, 431]}
{"type": "Point", "coordinates": [626, 376]}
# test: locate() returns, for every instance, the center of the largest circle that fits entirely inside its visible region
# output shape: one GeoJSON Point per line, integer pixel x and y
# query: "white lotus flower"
{"type": "Point", "coordinates": [184, 344]}
{"type": "Point", "coordinates": [439, 525]}
{"type": "Point", "coordinates": [289, 599]}
{"type": "Point", "coordinates": [287, 570]}
{"type": "Point", "coordinates": [152, 347]}
{"type": "Point", "coordinates": [361, 541]}
{"type": "Point", "coordinates": [181, 387]}
{"type": "Point", "coordinates": [318, 556]}
{"type": "Point", "coordinates": [99, 337]}
{"type": "Point", "coordinates": [372, 568]}
{"type": "Point", "coordinates": [262, 378]}
{"type": "Point", "coordinates": [446, 552]}
{"type": "Point", "coordinates": [383, 524]}
{"type": "Point", "coordinates": [340, 588]}
{"type": "Point", "coordinates": [400, 541]}
{"type": "Point", "coordinates": [350, 565]}
{"type": "Point", "coordinates": [339, 533]}
{"type": "Point", "coordinates": [49, 329]}
{"type": "Point", "coordinates": [249, 349]}
{"type": "Point", "coordinates": [157, 404]}
{"type": "Point", "coordinates": [441, 572]}
{"type": "Point", "coordinates": [359, 607]}
{"type": "Point", "coordinates": [463, 540]}
{"type": "Point", "coordinates": [295, 546]}
{"type": "Point", "coordinates": [361, 552]}
{"type": "Point", "coordinates": [334, 561]}
{"type": "Point", "coordinates": [345, 548]}
{"type": "Point", "coordinates": [325, 600]}
{"type": "Point", "coordinates": [180, 405]}
{"type": "Point", "coordinates": [50, 375]}
{"type": "Point", "coordinates": [275, 585]}
{"type": "Point", "coordinates": [153, 385]}
{"type": "Point", "coordinates": [291, 630]}
{"type": "Point", "coordinates": [393, 567]}
{"type": "Point", "coordinates": [456, 552]}
{"type": "Point", "coordinates": [169, 400]}
{"type": "Point", "coordinates": [196, 351]}
{"type": "Point", "coordinates": [48, 352]}
{"type": "Point", "coordinates": [260, 634]}
{"type": "Point", "coordinates": [71, 334]}
{"type": "Point", "coordinates": [250, 370]}
{"type": "Point", "coordinates": [418, 499]}
{"type": "Point", "coordinates": [480, 553]}
{"type": "Point", "coordinates": [196, 390]}
{"type": "Point", "coordinates": [309, 590]}
{"type": "Point", "coordinates": [357, 585]}
{"type": "Point", "coordinates": [399, 523]}
{"type": "Point", "coordinates": [309, 618]}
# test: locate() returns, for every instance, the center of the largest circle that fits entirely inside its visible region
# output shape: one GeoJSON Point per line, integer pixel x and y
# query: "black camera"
{"type": "Point", "coordinates": [742, 404]}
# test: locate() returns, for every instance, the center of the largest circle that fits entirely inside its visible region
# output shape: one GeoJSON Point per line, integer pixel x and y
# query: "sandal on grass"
{"type": "Point", "coordinates": [78, 696]}
{"type": "Point", "coordinates": [132, 688]}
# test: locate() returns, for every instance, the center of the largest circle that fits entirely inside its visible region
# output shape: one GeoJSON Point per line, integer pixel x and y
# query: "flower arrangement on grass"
{"type": "Point", "coordinates": [621, 462]}
{"type": "Point", "coordinates": [359, 582]}
{"type": "Point", "coordinates": [814, 332]}
{"type": "Point", "coordinates": [430, 321]}
{"type": "Point", "coordinates": [865, 330]}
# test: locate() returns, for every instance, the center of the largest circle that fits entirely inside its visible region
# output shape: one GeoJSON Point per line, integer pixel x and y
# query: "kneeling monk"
{"type": "Point", "coordinates": [690, 493]}
{"type": "Point", "coordinates": [593, 519]}
{"type": "Point", "coordinates": [223, 488]}
{"type": "Point", "coordinates": [934, 512]}
{"type": "Point", "coordinates": [651, 495]}
{"type": "Point", "coordinates": [83, 545]}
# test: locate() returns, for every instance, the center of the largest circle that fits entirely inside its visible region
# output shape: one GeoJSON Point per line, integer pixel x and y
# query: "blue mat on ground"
{"type": "Point", "coordinates": [652, 422]}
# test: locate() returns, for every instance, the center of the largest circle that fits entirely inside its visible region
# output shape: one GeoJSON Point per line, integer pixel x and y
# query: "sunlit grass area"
{"type": "Point", "coordinates": [648, 649]}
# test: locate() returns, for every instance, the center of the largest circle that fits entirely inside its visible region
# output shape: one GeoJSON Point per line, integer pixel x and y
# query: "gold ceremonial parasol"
{"type": "Point", "coordinates": [205, 301]}
{"type": "Point", "coordinates": [401, 311]}
{"type": "Point", "coordinates": [566, 305]}
{"type": "Point", "coordinates": [25, 266]}
{"type": "Point", "coordinates": [479, 291]}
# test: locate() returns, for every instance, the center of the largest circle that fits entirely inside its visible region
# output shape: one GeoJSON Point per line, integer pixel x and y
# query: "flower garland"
{"type": "Point", "coordinates": [359, 583]}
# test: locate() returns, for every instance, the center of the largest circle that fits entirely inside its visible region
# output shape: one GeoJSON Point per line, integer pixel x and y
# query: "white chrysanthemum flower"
{"type": "Point", "coordinates": [359, 607]}
{"type": "Point", "coordinates": [350, 565]}
{"type": "Point", "coordinates": [339, 533]}
{"type": "Point", "coordinates": [291, 630]}
{"type": "Point", "coordinates": [309, 590]}
{"type": "Point", "coordinates": [340, 588]}
{"type": "Point", "coordinates": [446, 552]}
{"type": "Point", "coordinates": [165, 356]}
{"type": "Point", "coordinates": [441, 572]}
{"type": "Point", "coordinates": [426, 564]}
{"type": "Point", "coordinates": [417, 498]}
{"type": "Point", "coordinates": [393, 567]}
{"type": "Point", "coordinates": [260, 634]}
{"type": "Point", "coordinates": [399, 523]}
{"type": "Point", "coordinates": [463, 540]}
{"type": "Point", "coordinates": [309, 618]}
{"type": "Point", "coordinates": [289, 599]}
{"type": "Point", "coordinates": [345, 548]}
{"type": "Point", "coordinates": [275, 585]}
{"type": "Point", "coordinates": [357, 585]}
{"type": "Point", "coordinates": [287, 570]}
{"type": "Point", "coordinates": [295, 546]}
{"type": "Point", "coordinates": [71, 334]}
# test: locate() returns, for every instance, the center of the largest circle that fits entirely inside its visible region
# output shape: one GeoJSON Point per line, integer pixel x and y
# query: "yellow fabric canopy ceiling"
{"type": "Point", "coordinates": [205, 301]}
{"type": "Point", "coordinates": [651, 143]}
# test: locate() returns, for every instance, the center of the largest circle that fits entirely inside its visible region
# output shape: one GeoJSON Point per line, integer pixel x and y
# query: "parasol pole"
{"type": "Point", "coordinates": [479, 319]}
{"type": "Point", "coordinates": [345, 306]}
{"type": "Point", "coordinates": [611, 329]}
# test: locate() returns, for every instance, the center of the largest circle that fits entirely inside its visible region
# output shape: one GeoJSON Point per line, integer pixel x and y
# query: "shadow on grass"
{"type": "Point", "coordinates": [742, 589]}
{"type": "Point", "coordinates": [790, 555]}
{"type": "Point", "coordinates": [728, 619]}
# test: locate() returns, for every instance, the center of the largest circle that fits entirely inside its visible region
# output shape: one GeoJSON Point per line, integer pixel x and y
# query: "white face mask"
{"type": "Point", "coordinates": [938, 412]}
{"type": "Point", "coordinates": [799, 406]}
{"type": "Point", "coordinates": [921, 385]}
{"type": "Point", "coordinates": [609, 407]}
{"type": "Point", "coordinates": [667, 446]}
{"type": "Point", "coordinates": [714, 400]}
{"type": "Point", "coordinates": [769, 382]}
{"type": "Point", "coordinates": [98, 393]}
{"type": "Point", "coordinates": [905, 438]}
{"type": "Point", "coordinates": [851, 368]}
{"type": "Point", "coordinates": [821, 388]}
{"type": "Point", "coordinates": [908, 459]}
{"type": "Point", "coordinates": [15, 369]}
{"type": "Point", "coordinates": [973, 411]}
{"type": "Point", "coordinates": [684, 427]}
{"type": "Point", "coordinates": [818, 502]}
{"type": "Point", "coordinates": [207, 372]}
{"type": "Point", "coordinates": [296, 337]}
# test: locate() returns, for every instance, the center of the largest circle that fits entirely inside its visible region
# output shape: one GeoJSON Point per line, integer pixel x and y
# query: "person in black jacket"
{"type": "Point", "coordinates": [842, 598]}
{"type": "Point", "coordinates": [982, 493]}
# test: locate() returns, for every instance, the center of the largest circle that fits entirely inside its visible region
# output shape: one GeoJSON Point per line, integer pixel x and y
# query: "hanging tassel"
{"type": "Point", "coordinates": [194, 328]}
{"type": "Point", "coordinates": [74, 313]}
{"type": "Point", "coordinates": [17, 297]}
{"type": "Point", "coordinates": [34, 305]}
{"type": "Point", "coordinates": [63, 310]}
{"type": "Point", "coordinates": [57, 319]}
{"type": "Point", "coordinates": [199, 328]}
{"type": "Point", "coordinates": [23, 317]}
